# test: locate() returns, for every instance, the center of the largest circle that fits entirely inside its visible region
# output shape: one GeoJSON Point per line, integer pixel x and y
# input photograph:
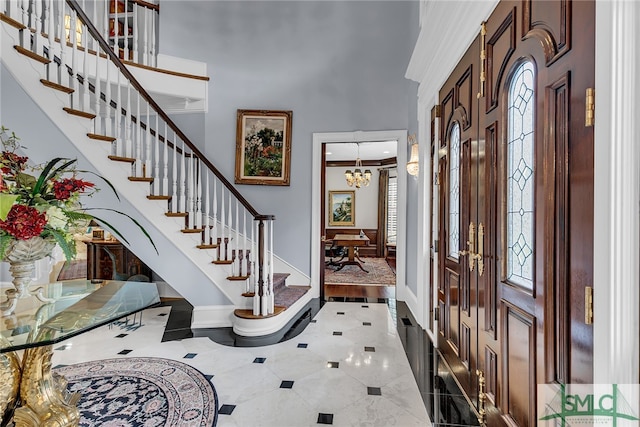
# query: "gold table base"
{"type": "Point", "coordinates": [44, 399]}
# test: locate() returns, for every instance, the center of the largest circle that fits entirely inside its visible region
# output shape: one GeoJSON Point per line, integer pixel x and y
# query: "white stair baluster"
{"type": "Point", "coordinates": [244, 249]}
{"type": "Point", "coordinates": [271, 295]}
{"type": "Point", "coordinates": [24, 7]}
{"type": "Point", "coordinates": [207, 230]}
{"type": "Point", "coordinates": [214, 237]}
{"type": "Point", "coordinates": [73, 75]}
{"type": "Point", "coordinates": [190, 192]}
{"type": "Point", "coordinates": [165, 162]}
{"type": "Point", "coordinates": [137, 137]}
{"type": "Point", "coordinates": [146, 169]}
{"type": "Point", "coordinates": [145, 38]}
{"type": "Point", "coordinates": [152, 49]}
{"type": "Point", "coordinates": [174, 182]}
{"type": "Point", "coordinates": [183, 180]}
{"type": "Point", "coordinates": [135, 34]}
{"type": "Point", "coordinates": [84, 42]}
{"type": "Point", "coordinates": [98, 122]}
{"type": "Point", "coordinates": [198, 175]}
{"type": "Point", "coordinates": [237, 238]}
{"type": "Point", "coordinates": [222, 216]}
{"type": "Point", "coordinates": [128, 147]}
{"type": "Point", "coordinates": [230, 224]}
{"type": "Point", "coordinates": [156, 159]}
{"type": "Point", "coordinates": [256, 284]}
{"type": "Point", "coordinates": [51, 31]}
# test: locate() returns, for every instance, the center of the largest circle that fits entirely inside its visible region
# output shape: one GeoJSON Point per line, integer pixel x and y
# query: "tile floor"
{"type": "Point", "coordinates": [347, 368]}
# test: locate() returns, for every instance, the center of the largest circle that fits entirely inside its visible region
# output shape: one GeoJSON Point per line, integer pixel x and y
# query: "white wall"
{"type": "Point", "coordinates": [366, 197]}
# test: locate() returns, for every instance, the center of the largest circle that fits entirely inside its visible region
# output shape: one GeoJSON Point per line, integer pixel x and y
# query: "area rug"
{"type": "Point", "coordinates": [141, 391]}
{"type": "Point", "coordinates": [380, 274]}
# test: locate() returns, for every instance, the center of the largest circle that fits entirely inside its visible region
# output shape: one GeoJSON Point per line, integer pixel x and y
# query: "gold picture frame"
{"type": "Point", "coordinates": [342, 208]}
{"type": "Point", "coordinates": [263, 147]}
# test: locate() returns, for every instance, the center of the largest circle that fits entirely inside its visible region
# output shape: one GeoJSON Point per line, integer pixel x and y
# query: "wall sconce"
{"type": "Point", "coordinates": [413, 165]}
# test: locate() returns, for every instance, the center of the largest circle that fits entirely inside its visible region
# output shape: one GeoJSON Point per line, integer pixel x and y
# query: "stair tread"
{"type": "Point", "coordinates": [101, 137]}
{"type": "Point", "coordinates": [79, 113]}
{"type": "Point", "coordinates": [237, 278]}
{"type": "Point", "coordinates": [140, 179]}
{"type": "Point", "coordinates": [158, 197]}
{"type": "Point", "coordinates": [12, 22]}
{"type": "Point", "coordinates": [176, 214]}
{"type": "Point", "coordinates": [192, 230]}
{"type": "Point", "coordinates": [56, 86]}
{"type": "Point", "coordinates": [222, 261]}
{"type": "Point", "coordinates": [122, 159]}
{"type": "Point", "coordinates": [32, 55]}
{"type": "Point", "coordinates": [248, 314]}
{"type": "Point", "coordinates": [206, 246]}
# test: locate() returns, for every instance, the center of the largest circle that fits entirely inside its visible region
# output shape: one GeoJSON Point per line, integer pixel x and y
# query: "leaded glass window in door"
{"type": "Point", "coordinates": [454, 191]}
{"type": "Point", "coordinates": [520, 173]}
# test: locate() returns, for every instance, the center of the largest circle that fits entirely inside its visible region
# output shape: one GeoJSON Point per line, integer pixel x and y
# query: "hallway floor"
{"type": "Point", "coordinates": [347, 368]}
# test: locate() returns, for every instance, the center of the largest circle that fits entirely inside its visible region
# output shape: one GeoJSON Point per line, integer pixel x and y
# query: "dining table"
{"type": "Point", "coordinates": [352, 242]}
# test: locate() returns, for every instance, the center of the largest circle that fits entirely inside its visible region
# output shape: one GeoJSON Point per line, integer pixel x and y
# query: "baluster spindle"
{"type": "Point", "coordinates": [73, 74]}
{"type": "Point", "coordinates": [137, 139]}
{"type": "Point", "coordinates": [215, 211]}
{"type": "Point", "coordinates": [183, 180]}
{"type": "Point", "coordinates": [51, 35]}
{"type": "Point", "coordinates": [207, 231]}
{"type": "Point", "coordinates": [146, 168]}
{"type": "Point", "coordinates": [198, 175]}
{"type": "Point", "coordinates": [99, 128]}
{"type": "Point", "coordinates": [174, 175]}
{"type": "Point", "coordinates": [156, 159]}
{"type": "Point", "coordinates": [145, 38]}
{"type": "Point", "coordinates": [271, 296]}
{"type": "Point", "coordinates": [135, 37]}
{"type": "Point", "coordinates": [190, 198]}
{"type": "Point", "coordinates": [86, 99]}
{"type": "Point", "coordinates": [165, 163]}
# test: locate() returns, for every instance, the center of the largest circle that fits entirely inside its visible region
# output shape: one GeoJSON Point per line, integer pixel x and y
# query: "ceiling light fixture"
{"type": "Point", "coordinates": [357, 178]}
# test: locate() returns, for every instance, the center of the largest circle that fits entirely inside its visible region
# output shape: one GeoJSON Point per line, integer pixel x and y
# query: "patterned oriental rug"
{"type": "Point", "coordinates": [141, 391]}
{"type": "Point", "coordinates": [379, 274]}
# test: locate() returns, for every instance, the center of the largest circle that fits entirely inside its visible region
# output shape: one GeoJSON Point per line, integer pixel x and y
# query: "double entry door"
{"type": "Point", "coordinates": [516, 208]}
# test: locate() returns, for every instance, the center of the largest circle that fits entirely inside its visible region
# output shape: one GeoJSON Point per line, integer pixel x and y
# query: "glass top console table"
{"type": "Point", "coordinates": [35, 326]}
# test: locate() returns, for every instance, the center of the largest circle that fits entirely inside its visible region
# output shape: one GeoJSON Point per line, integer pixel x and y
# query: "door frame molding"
{"type": "Point", "coordinates": [403, 293]}
{"type": "Point", "coordinates": [616, 273]}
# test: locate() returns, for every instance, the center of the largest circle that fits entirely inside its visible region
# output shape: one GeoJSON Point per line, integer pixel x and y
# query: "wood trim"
{"type": "Point", "coordinates": [122, 159]}
{"type": "Point", "coordinates": [192, 230]}
{"type": "Point", "coordinates": [349, 163]}
{"type": "Point", "coordinates": [466, 112]}
{"type": "Point", "coordinates": [557, 308]}
{"type": "Point", "coordinates": [164, 71]}
{"type": "Point", "coordinates": [79, 113]}
{"type": "Point", "coordinates": [248, 314]}
{"type": "Point", "coordinates": [57, 86]}
{"type": "Point", "coordinates": [158, 197]}
{"type": "Point", "coordinates": [12, 22]}
{"type": "Point", "coordinates": [101, 137]}
{"type": "Point", "coordinates": [32, 55]}
{"type": "Point", "coordinates": [493, 82]}
{"type": "Point", "coordinates": [140, 179]}
{"type": "Point", "coordinates": [553, 47]}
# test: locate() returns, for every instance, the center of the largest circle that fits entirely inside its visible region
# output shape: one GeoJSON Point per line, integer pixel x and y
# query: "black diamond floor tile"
{"type": "Point", "coordinates": [303, 345]}
{"type": "Point", "coordinates": [286, 384]}
{"type": "Point", "coordinates": [226, 409]}
{"type": "Point", "coordinates": [325, 418]}
{"type": "Point", "coordinates": [374, 391]}
{"type": "Point", "coordinates": [125, 351]}
{"type": "Point", "coordinates": [259, 360]}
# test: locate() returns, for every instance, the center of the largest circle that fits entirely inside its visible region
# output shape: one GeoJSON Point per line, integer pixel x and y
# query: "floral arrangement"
{"type": "Point", "coordinates": [47, 204]}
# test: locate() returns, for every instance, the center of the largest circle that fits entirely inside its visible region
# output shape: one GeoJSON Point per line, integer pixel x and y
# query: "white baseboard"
{"type": "Point", "coordinates": [212, 316]}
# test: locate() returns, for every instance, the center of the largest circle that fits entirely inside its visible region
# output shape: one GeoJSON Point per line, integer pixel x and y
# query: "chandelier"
{"type": "Point", "coordinates": [357, 178]}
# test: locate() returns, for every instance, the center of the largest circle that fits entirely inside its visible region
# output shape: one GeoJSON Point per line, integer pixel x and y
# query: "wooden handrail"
{"type": "Point", "coordinates": [134, 82]}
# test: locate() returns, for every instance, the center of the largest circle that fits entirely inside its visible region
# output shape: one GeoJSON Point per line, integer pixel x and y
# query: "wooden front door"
{"type": "Point", "coordinates": [525, 167]}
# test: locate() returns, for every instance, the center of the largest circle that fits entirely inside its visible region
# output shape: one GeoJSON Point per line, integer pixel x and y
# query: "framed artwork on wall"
{"type": "Point", "coordinates": [263, 147]}
{"type": "Point", "coordinates": [342, 208]}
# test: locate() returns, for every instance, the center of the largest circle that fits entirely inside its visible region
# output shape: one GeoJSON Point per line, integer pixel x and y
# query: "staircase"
{"type": "Point", "coordinates": [197, 219]}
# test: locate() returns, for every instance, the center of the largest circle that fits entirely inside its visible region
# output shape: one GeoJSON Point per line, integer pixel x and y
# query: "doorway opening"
{"type": "Point", "coordinates": [357, 229]}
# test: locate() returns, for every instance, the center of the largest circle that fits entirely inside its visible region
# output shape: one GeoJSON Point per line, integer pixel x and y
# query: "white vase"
{"type": "Point", "coordinates": [21, 256]}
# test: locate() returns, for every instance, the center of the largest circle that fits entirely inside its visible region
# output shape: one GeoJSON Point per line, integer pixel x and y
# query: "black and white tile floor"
{"type": "Point", "coordinates": [347, 368]}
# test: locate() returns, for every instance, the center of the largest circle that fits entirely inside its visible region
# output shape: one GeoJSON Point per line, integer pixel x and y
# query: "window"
{"type": "Point", "coordinates": [520, 174]}
{"type": "Point", "coordinates": [454, 191]}
{"type": "Point", "coordinates": [392, 209]}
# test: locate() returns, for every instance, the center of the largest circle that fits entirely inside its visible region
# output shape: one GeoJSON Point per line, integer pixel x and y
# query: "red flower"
{"type": "Point", "coordinates": [24, 222]}
{"type": "Point", "coordinates": [63, 189]}
{"type": "Point", "coordinates": [11, 162]}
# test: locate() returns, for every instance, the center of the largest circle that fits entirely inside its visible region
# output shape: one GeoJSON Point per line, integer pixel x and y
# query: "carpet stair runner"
{"type": "Point", "coordinates": [284, 296]}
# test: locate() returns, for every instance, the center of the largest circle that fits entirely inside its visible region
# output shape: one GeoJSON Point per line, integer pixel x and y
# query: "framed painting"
{"type": "Point", "coordinates": [263, 147]}
{"type": "Point", "coordinates": [342, 208]}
